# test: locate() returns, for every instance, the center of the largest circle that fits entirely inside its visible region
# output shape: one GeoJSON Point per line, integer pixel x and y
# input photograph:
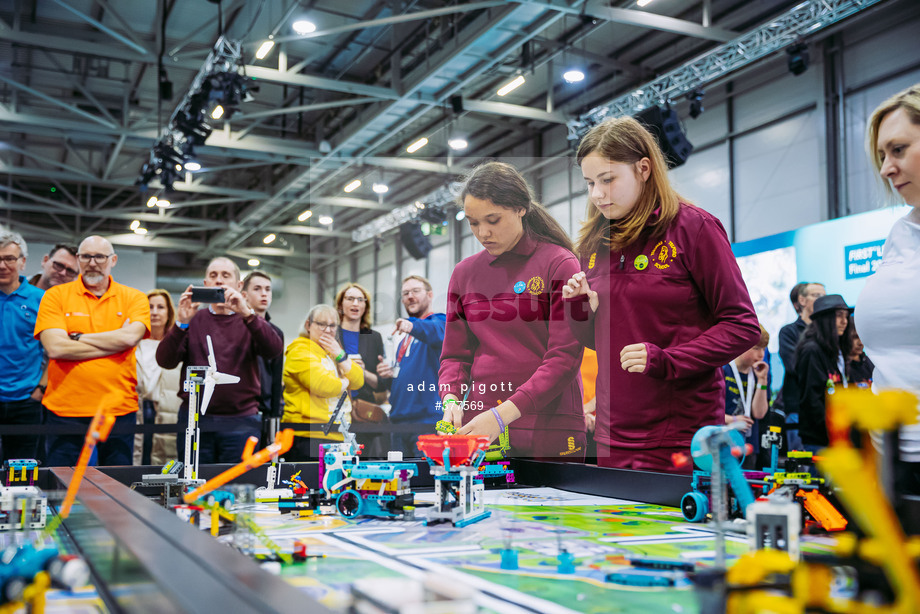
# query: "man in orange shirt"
{"type": "Point", "coordinates": [89, 328]}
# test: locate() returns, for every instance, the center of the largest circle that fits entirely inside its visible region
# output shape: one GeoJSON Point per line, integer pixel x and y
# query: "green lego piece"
{"type": "Point", "coordinates": [445, 428]}
{"type": "Point", "coordinates": [498, 451]}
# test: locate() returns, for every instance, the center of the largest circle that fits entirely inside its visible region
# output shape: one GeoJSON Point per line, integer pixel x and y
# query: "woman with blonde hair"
{"type": "Point", "coordinates": [666, 303]}
{"type": "Point", "coordinates": [157, 388]}
{"type": "Point", "coordinates": [317, 373]}
{"type": "Point", "coordinates": [889, 325]}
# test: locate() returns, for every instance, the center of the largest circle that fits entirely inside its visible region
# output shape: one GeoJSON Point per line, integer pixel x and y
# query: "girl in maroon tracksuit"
{"type": "Point", "coordinates": [667, 303]}
{"type": "Point", "coordinates": [509, 357]}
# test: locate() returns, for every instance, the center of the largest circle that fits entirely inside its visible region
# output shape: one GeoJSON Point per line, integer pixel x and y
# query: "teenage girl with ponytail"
{"type": "Point", "coordinates": [509, 357]}
{"type": "Point", "coordinates": [668, 306]}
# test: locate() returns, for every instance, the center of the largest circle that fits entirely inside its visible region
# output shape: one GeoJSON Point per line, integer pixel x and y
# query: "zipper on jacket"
{"type": "Point", "coordinates": [622, 261]}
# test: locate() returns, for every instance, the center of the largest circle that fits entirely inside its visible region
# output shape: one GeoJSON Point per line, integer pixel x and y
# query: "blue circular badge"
{"type": "Point", "coordinates": [519, 287]}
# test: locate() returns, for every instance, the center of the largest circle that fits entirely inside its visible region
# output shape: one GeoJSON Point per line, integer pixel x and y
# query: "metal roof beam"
{"type": "Point", "coordinates": [104, 28]}
{"type": "Point", "coordinates": [387, 21]}
{"type": "Point", "coordinates": [642, 19]}
{"type": "Point", "coordinates": [514, 110]}
{"type": "Point", "coordinates": [307, 230]}
{"type": "Point", "coordinates": [322, 83]}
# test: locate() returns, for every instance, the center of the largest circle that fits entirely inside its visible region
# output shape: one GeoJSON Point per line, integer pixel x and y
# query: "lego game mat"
{"type": "Point", "coordinates": [538, 523]}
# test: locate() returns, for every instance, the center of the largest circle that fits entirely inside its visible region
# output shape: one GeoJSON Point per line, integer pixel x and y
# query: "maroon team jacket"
{"type": "Point", "coordinates": [683, 296]}
{"type": "Point", "coordinates": [507, 335]}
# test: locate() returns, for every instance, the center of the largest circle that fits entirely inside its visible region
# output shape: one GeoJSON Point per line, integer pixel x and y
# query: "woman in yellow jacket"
{"type": "Point", "coordinates": [316, 374]}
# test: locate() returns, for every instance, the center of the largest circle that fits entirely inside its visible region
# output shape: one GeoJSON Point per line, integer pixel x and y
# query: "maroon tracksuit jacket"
{"type": "Point", "coordinates": [683, 296]}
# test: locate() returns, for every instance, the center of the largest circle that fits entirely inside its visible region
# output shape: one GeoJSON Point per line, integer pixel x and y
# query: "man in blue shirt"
{"type": "Point", "coordinates": [21, 354]}
{"type": "Point", "coordinates": [414, 394]}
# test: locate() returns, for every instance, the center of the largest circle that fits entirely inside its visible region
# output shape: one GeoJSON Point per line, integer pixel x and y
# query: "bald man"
{"type": "Point", "coordinates": [239, 337]}
{"type": "Point", "coordinates": [89, 328]}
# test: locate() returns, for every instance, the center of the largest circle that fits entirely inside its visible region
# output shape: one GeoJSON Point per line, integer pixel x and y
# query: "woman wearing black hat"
{"type": "Point", "coordinates": [820, 366]}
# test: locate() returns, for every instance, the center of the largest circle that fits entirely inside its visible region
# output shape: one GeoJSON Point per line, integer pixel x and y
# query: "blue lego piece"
{"type": "Point", "coordinates": [221, 497]}
{"type": "Point", "coordinates": [509, 558]}
{"type": "Point", "coordinates": [18, 565]}
{"type": "Point", "coordinates": [566, 562]}
{"type": "Point", "coordinates": [646, 577]}
{"type": "Point", "coordinates": [472, 519]}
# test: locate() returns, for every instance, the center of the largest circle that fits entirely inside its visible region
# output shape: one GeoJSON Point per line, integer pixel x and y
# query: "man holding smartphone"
{"type": "Point", "coordinates": [239, 337]}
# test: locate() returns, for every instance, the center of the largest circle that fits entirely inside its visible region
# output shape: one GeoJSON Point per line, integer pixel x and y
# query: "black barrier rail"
{"type": "Point", "coordinates": [645, 486]}
{"type": "Point", "coordinates": [143, 429]}
{"type": "Point", "coordinates": [186, 569]}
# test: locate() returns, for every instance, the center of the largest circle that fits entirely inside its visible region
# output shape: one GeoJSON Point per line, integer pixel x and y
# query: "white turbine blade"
{"type": "Point", "coordinates": [225, 378]}
{"type": "Point", "coordinates": [211, 361]}
{"type": "Point", "coordinates": [209, 384]}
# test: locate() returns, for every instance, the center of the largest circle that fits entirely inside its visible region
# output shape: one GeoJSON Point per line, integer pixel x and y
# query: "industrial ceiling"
{"type": "Point", "coordinates": [84, 95]}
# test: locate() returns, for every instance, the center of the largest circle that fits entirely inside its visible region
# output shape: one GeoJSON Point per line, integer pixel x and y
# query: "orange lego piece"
{"type": "Point", "coordinates": [821, 510]}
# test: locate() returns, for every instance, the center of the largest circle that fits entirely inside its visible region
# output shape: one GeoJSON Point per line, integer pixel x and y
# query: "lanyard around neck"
{"type": "Point", "coordinates": [745, 395]}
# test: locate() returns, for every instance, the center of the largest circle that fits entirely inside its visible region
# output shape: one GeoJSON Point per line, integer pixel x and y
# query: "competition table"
{"type": "Point", "coordinates": [145, 559]}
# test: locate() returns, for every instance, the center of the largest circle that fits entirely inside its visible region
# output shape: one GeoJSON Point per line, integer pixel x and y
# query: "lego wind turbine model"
{"type": "Point", "coordinates": [194, 378]}
{"type": "Point", "coordinates": [212, 377]}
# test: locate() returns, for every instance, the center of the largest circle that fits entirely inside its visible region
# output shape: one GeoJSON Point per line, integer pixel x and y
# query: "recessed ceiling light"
{"type": "Point", "coordinates": [354, 185]}
{"type": "Point", "coordinates": [152, 201]}
{"type": "Point", "coordinates": [253, 262]}
{"type": "Point", "coordinates": [460, 215]}
{"type": "Point", "coordinates": [573, 76]}
{"type": "Point", "coordinates": [414, 147]}
{"type": "Point", "coordinates": [192, 166]}
{"type": "Point", "coordinates": [303, 217]}
{"type": "Point", "coordinates": [140, 231]}
{"type": "Point", "coordinates": [458, 144]}
{"type": "Point", "coordinates": [264, 49]}
{"type": "Point", "coordinates": [269, 238]}
{"type": "Point", "coordinates": [419, 204]}
{"type": "Point", "coordinates": [516, 83]}
{"type": "Point", "coordinates": [325, 220]}
{"type": "Point", "coordinates": [135, 224]}
{"type": "Point", "coordinates": [381, 188]}
{"type": "Point", "coordinates": [163, 203]}
{"type": "Point", "coordinates": [302, 26]}
{"type": "Point", "coordinates": [218, 112]}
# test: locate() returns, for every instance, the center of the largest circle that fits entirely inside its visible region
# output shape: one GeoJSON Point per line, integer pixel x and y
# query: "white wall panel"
{"type": "Point", "coordinates": [863, 187]}
{"type": "Point", "coordinates": [778, 180]}
{"type": "Point", "coordinates": [440, 266]}
{"type": "Point", "coordinates": [554, 185]}
{"type": "Point", "coordinates": [289, 309]}
{"type": "Point", "coordinates": [561, 213]}
{"type": "Point", "coordinates": [343, 271]}
{"type": "Point", "coordinates": [388, 288]}
{"type": "Point", "coordinates": [704, 180]}
{"type": "Point", "coordinates": [776, 98]}
{"type": "Point", "coordinates": [365, 259]}
{"type": "Point", "coordinates": [709, 126]}
{"type": "Point", "coordinates": [888, 51]}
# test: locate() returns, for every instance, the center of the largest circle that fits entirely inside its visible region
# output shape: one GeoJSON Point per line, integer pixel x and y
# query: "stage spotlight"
{"type": "Point", "coordinates": [302, 26]}
{"type": "Point", "coordinates": [573, 76]}
{"type": "Point", "coordinates": [264, 49]}
{"type": "Point", "coordinates": [696, 102]}
{"type": "Point", "coordinates": [798, 58]}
